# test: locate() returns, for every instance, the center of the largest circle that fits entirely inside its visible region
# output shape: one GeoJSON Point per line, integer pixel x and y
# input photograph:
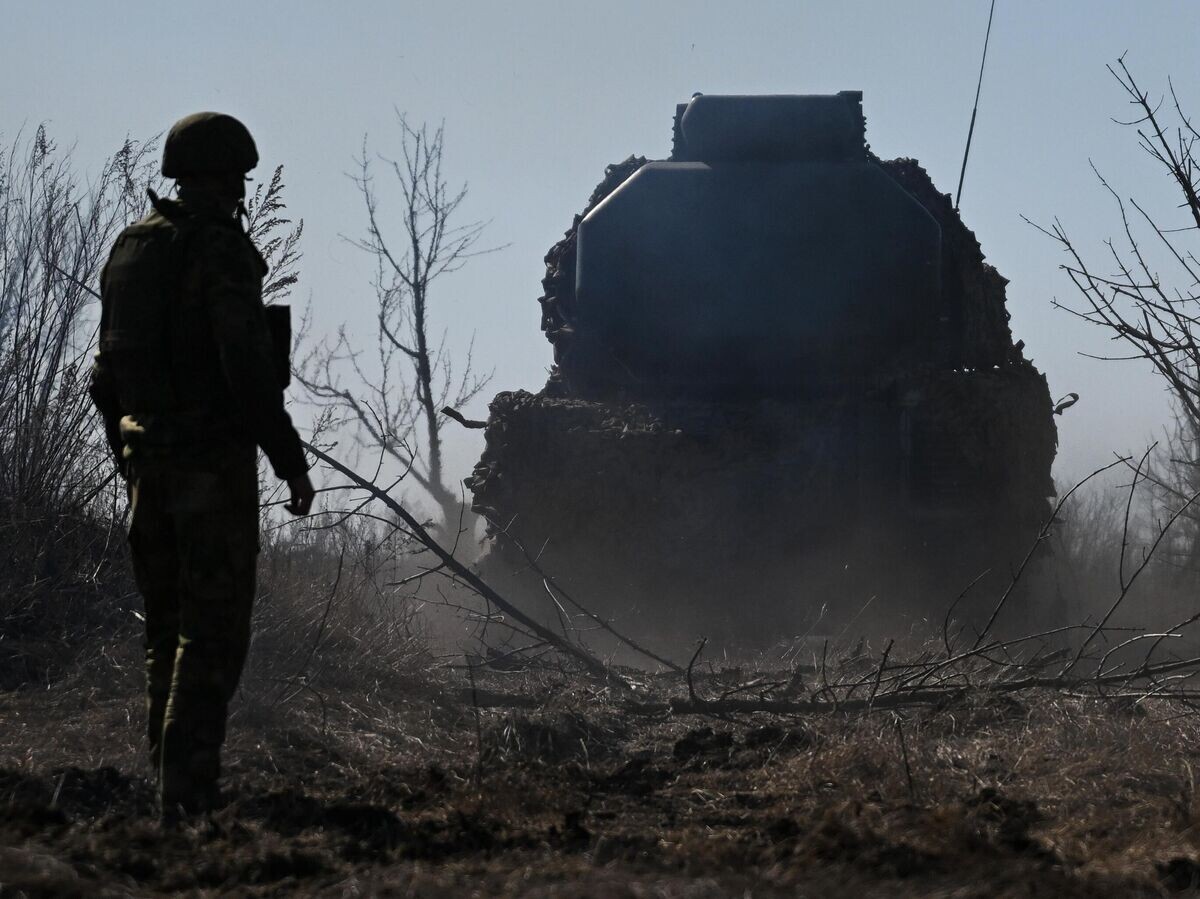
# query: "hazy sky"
{"type": "Point", "coordinates": [537, 97]}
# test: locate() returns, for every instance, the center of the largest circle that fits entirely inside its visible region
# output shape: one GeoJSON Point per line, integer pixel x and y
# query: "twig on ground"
{"type": "Point", "coordinates": [879, 671]}
{"type": "Point", "coordinates": [478, 725]}
{"type": "Point", "coordinates": [692, 664]}
{"type": "Point", "coordinates": [912, 790]}
{"type": "Point", "coordinates": [555, 589]}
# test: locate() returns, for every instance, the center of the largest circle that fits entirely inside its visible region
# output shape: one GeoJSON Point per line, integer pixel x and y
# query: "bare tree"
{"type": "Point", "coordinates": [1146, 291]}
{"type": "Point", "coordinates": [395, 401]}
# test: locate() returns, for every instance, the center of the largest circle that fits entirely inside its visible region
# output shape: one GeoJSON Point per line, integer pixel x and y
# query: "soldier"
{"type": "Point", "coordinates": [187, 381]}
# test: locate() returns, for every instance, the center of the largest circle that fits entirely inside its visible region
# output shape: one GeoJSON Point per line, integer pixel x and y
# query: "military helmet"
{"type": "Point", "coordinates": [208, 143]}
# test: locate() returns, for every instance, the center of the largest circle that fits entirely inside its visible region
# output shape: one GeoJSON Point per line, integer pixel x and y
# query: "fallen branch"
{"type": "Point", "coordinates": [554, 589]}
{"type": "Point", "coordinates": [590, 663]}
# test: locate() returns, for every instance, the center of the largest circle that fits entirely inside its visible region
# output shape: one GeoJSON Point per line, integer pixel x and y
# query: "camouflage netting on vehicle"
{"type": "Point", "coordinates": [709, 510]}
{"type": "Point", "coordinates": [907, 481]}
{"type": "Point", "coordinates": [985, 436]}
{"type": "Point", "coordinates": [973, 291]}
{"type": "Point", "coordinates": [635, 509]}
{"type": "Point", "coordinates": [558, 286]}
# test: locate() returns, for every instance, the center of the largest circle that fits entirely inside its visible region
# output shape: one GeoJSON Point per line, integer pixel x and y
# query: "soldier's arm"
{"type": "Point", "coordinates": [103, 391]}
{"type": "Point", "coordinates": [233, 285]}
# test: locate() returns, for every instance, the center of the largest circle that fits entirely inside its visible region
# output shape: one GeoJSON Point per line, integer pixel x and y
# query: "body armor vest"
{"type": "Point", "coordinates": [157, 337]}
{"type": "Point", "coordinates": [157, 334]}
{"type": "Point", "coordinates": [141, 325]}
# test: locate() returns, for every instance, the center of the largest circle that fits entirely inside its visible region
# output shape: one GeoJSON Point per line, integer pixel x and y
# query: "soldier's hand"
{"type": "Point", "coordinates": [302, 495]}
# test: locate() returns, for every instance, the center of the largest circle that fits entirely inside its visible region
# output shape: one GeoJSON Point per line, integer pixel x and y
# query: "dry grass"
{"type": "Point", "coordinates": [361, 764]}
{"type": "Point", "coordinates": [384, 790]}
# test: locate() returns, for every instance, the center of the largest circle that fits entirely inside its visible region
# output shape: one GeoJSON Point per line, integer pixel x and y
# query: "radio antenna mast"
{"type": "Point", "coordinates": [975, 109]}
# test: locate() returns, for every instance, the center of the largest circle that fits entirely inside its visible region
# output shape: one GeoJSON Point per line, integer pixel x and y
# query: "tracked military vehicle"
{"type": "Point", "coordinates": [784, 389]}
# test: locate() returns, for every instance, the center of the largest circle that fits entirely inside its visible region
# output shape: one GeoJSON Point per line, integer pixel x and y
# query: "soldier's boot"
{"type": "Point", "coordinates": [160, 662]}
{"type": "Point", "coordinates": [189, 788]}
{"type": "Point", "coordinates": [156, 568]}
{"type": "Point", "coordinates": [193, 732]}
{"type": "Point", "coordinates": [188, 777]}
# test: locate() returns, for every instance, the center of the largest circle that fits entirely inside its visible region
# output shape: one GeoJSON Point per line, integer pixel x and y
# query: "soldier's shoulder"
{"type": "Point", "coordinates": [151, 221]}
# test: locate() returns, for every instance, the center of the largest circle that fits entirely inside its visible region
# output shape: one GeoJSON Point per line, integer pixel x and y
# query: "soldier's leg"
{"type": "Point", "coordinates": [156, 572]}
{"type": "Point", "coordinates": [217, 524]}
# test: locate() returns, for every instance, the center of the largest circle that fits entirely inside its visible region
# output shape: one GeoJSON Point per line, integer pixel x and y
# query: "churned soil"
{"type": "Point", "coordinates": [539, 784]}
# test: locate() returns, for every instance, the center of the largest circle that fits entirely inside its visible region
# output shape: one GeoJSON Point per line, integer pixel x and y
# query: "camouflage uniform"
{"type": "Point", "coordinates": [187, 383]}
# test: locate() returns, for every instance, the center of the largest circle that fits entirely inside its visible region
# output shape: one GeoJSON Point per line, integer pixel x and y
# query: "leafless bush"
{"type": "Point", "coordinates": [1140, 288]}
{"type": "Point", "coordinates": [327, 609]}
{"type": "Point", "coordinates": [1100, 528]}
{"type": "Point", "coordinates": [60, 537]}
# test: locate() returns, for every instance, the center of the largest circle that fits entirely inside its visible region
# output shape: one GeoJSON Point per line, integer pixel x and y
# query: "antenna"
{"type": "Point", "coordinates": [978, 87]}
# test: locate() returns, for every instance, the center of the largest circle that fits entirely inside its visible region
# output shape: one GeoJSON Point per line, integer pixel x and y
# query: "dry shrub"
{"type": "Point", "coordinates": [327, 613]}
{"type": "Point", "coordinates": [67, 592]}
{"type": "Point", "coordinates": [63, 584]}
{"type": "Point", "coordinates": [1100, 526]}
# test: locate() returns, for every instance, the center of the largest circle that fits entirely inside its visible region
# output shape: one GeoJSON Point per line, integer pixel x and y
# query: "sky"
{"type": "Point", "coordinates": [537, 97]}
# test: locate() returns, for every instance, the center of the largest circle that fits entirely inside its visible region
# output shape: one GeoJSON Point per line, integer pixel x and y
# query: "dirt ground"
{"type": "Point", "coordinates": [540, 784]}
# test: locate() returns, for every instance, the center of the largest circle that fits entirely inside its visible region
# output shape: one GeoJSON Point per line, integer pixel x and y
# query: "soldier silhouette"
{"type": "Point", "coordinates": [188, 384]}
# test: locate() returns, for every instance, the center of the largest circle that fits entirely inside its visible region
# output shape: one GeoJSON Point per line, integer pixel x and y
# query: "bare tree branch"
{"type": "Point", "coordinates": [1138, 305]}
{"type": "Point", "coordinates": [398, 406]}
